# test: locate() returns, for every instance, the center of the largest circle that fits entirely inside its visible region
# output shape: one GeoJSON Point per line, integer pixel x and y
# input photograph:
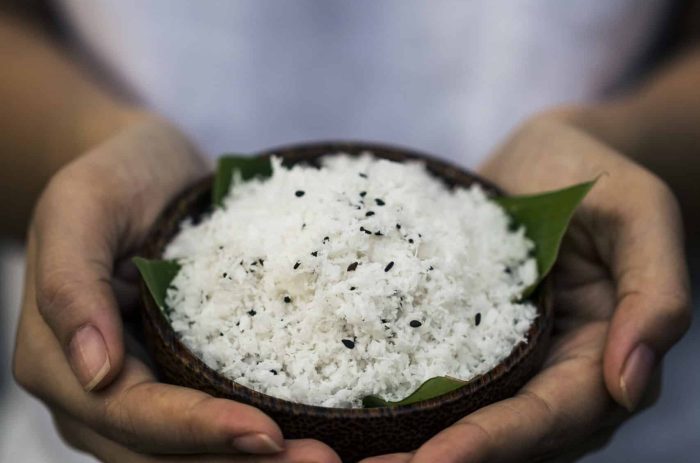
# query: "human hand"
{"type": "Point", "coordinates": [70, 343]}
{"type": "Point", "coordinates": [621, 301]}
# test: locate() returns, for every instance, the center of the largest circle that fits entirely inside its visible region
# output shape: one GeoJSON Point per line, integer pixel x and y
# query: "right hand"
{"type": "Point", "coordinates": [70, 343]}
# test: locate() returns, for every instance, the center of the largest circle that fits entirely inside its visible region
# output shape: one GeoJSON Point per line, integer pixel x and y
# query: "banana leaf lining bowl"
{"type": "Point", "coordinates": [354, 433]}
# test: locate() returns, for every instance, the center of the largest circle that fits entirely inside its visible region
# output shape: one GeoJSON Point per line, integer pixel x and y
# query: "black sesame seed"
{"type": "Point", "coordinates": [378, 233]}
{"type": "Point", "coordinates": [296, 266]}
{"type": "Point", "coordinates": [352, 267]}
{"type": "Point", "coordinates": [415, 324]}
{"type": "Point", "coordinates": [315, 253]}
{"type": "Point", "coordinates": [363, 194]}
{"type": "Point", "coordinates": [388, 266]}
{"type": "Point", "coordinates": [410, 240]}
{"type": "Point", "coordinates": [287, 299]}
{"type": "Point", "coordinates": [431, 268]}
{"type": "Point", "coordinates": [380, 202]}
{"type": "Point", "coordinates": [274, 372]}
{"type": "Point", "coordinates": [363, 229]}
{"type": "Point", "coordinates": [398, 226]}
{"type": "Point", "coordinates": [383, 320]}
{"type": "Point", "coordinates": [224, 275]}
{"type": "Point", "coordinates": [352, 288]}
{"type": "Point", "coordinates": [252, 312]}
{"type": "Point", "coordinates": [262, 262]}
{"type": "Point", "coordinates": [326, 239]}
{"type": "Point", "coordinates": [369, 214]}
{"type": "Point", "coordinates": [220, 248]}
{"type": "Point", "coordinates": [253, 263]}
{"type": "Point", "coordinates": [299, 193]}
{"type": "Point", "coordinates": [303, 226]}
{"type": "Point", "coordinates": [348, 343]}
{"type": "Point", "coordinates": [363, 175]}
{"type": "Point", "coordinates": [477, 319]}
{"type": "Point", "coordinates": [220, 333]}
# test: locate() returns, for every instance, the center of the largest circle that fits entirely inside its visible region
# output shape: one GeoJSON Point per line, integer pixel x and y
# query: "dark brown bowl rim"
{"type": "Point", "coordinates": [300, 152]}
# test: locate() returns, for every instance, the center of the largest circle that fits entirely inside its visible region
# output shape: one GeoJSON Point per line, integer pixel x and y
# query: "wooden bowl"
{"type": "Point", "coordinates": [353, 433]}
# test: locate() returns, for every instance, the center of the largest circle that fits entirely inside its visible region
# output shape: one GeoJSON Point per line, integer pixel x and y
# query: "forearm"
{"type": "Point", "coordinates": [658, 125]}
{"type": "Point", "coordinates": [51, 112]}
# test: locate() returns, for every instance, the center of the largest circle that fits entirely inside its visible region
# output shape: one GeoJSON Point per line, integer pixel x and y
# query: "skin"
{"type": "Point", "coordinates": [112, 167]}
{"type": "Point", "coordinates": [608, 301]}
{"type": "Point", "coordinates": [622, 297]}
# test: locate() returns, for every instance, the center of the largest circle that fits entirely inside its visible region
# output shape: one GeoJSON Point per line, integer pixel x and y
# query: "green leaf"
{"type": "Point", "coordinates": [158, 275]}
{"type": "Point", "coordinates": [546, 217]}
{"type": "Point", "coordinates": [249, 167]}
{"type": "Point", "coordinates": [433, 387]}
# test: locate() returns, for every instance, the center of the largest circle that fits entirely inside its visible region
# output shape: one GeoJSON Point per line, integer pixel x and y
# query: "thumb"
{"type": "Point", "coordinates": [92, 211]}
{"type": "Point", "coordinates": [653, 309]}
{"type": "Point", "coordinates": [74, 294]}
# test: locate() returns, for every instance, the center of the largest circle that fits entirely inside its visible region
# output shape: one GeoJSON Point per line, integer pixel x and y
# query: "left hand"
{"type": "Point", "coordinates": [70, 350]}
{"type": "Point", "coordinates": [621, 301]}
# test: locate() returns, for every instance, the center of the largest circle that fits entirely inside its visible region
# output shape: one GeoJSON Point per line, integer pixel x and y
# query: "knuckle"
{"type": "Point", "coordinates": [552, 421]}
{"type": "Point", "coordinates": [63, 183]}
{"type": "Point", "coordinates": [469, 426]}
{"type": "Point", "coordinates": [79, 184]}
{"type": "Point", "coordinates": [322, 454]}
{"type": "Point", "coordinates": [193, 424]}
{"type": "Point", "coordinates": [56, 293]}
{"type": "Point", "coordinates": [120, 424]}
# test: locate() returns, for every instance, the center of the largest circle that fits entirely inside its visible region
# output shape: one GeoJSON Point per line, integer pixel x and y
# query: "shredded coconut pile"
{"type": "Point", "coordinates": [364, 277]}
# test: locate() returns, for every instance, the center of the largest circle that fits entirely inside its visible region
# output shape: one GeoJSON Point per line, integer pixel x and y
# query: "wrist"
{"type": "Point", "coordinates": [618, 124]}
{"type": "Point", "coordinates": [94, 127]}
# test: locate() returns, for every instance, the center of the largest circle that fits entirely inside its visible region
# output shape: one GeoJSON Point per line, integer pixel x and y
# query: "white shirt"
{"type": "Point", "coordinates": [449, 77]}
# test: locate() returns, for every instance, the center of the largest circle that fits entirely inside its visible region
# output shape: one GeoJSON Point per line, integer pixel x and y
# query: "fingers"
{"type": "Point", "coordinates": [75, 296]}
{"type": "Point", "coordinates": [83, 438]}
{"type": "Point", "coordinates": [179, 420]}
{"type": "Point", "coordinates": [90, 213]}
{"type": "Point", "coordinates": [559, 407]}
{"type": "Point", "coordinates": [390, 458]}
{"type": "Point", "coordinates": [304, 451]}
{"type": "Point", "coordinates": [653, 308]}
{"type": "Point", "coordinates": [134, 410]}
{"type": "Point", "coordinates": [634, 222]}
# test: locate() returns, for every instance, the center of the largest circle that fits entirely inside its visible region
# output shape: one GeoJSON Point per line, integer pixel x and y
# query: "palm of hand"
{"type": "Point", "coordinates": [615, 314]}
{"type": "Point", "coordinates": [531, 424]}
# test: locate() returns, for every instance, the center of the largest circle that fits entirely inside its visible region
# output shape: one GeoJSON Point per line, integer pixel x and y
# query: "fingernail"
{"type": "Point", "coordinates": [256, 443]}
{"type": "Point", "coordinates": [88, 356]}
{"type": "Point", "coordinates": [636, 374]}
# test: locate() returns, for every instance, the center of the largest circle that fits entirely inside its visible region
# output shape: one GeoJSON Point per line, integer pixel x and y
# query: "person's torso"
{"type": "Point", "coordinates": [448, 77]}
